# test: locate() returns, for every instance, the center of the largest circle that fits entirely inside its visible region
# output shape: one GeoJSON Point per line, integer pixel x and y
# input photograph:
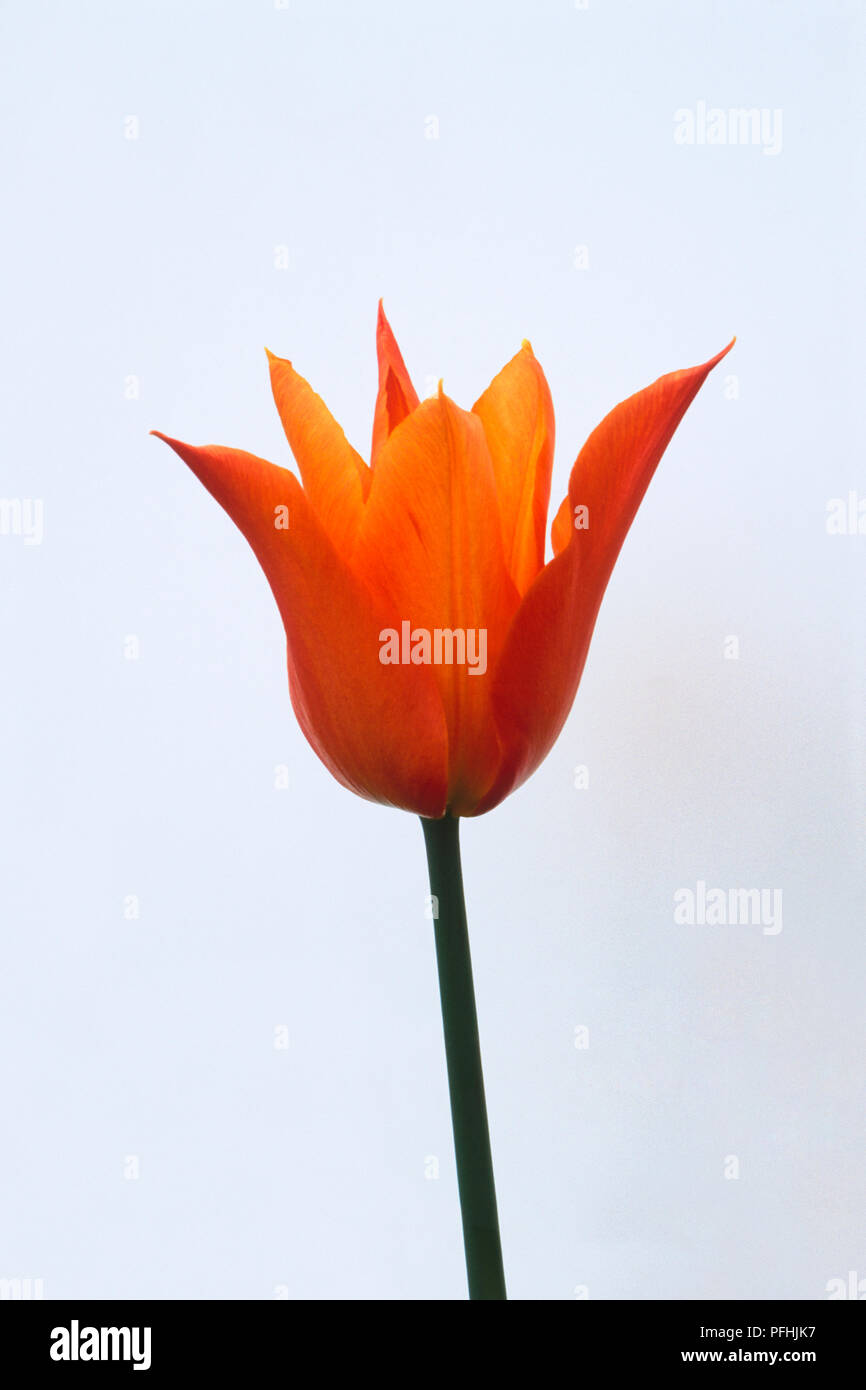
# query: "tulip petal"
{"type": "Point", "coordinates": [563, 526]}
{"type": "Point", "coordinates": [335, 477]}
{"type": "Point", "coordinates": [396, 397]}
{"type": "Point", "coordinates": [380, 730]}
{"type": "Point", "coordinates": [427, 547]}
{"type": "Point", "coordinates": [517, 414]}
{"type": "Point", "coordinates": [536, 680]}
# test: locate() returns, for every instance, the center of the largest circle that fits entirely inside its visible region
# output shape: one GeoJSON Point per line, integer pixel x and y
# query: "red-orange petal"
{"type": "Point", "coordinates": [379, 729]}
{"type": "Point", "coordinates": [536, 680]}
{"type": "Point", "coordinates": [563, 526]}
{"type": "Point", "coordinates": [517, 414]}
{"type": "Point", "coordinates": [396, 397]}
{"type": "Point", "coordinates": [430, 546]}
{"type": "Point", "coordinates": [335, 477]}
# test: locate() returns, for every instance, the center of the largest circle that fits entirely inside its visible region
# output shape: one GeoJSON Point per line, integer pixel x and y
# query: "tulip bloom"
{"type": "Point", "coordinates": [443, 531]}
{"type": "Point", "coordinates": [433, 652]}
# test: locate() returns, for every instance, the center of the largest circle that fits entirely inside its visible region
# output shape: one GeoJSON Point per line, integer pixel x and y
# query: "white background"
{"type": "Point", "coordinates": [304, 1169]}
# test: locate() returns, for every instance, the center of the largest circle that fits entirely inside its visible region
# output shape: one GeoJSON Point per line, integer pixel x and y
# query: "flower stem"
{"type": "Point", "coordinates": [463, 1058]}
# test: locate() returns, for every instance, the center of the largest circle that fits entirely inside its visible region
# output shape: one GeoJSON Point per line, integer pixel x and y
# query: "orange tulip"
{"type": "Point", "coordinates": [437, 548]}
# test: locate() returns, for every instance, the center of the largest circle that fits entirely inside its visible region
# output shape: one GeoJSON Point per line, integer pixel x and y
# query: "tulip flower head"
{"type": "Point", "coordinates": [433, 651]}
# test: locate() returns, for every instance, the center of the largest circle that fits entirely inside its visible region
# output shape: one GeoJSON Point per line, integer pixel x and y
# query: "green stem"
{"type": "Point", "coordinates": [463, 1057]}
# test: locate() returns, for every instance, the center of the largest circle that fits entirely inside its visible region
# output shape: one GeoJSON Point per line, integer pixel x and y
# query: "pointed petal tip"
{"type": "Point", "coordinates": [184, 451]}
{"type": "Point", "coordinates": [177, 444]}
{"type": "Point", "coordinates": [527, 346]}
{"type": "Point", "coordinates": [719, 355]}
{"type": "Point", "coordinates": [274, 359]}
